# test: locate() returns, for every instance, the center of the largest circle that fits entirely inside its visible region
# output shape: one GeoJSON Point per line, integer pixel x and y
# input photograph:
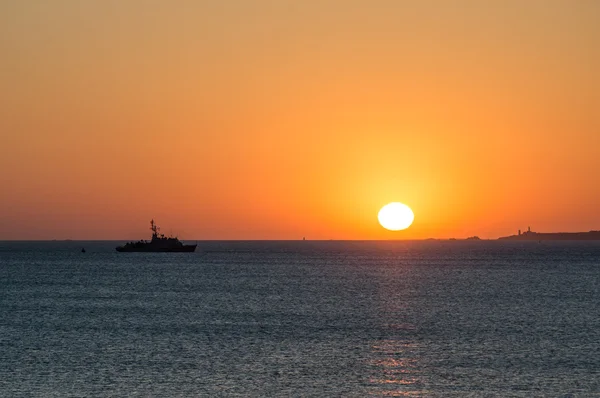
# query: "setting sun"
{"type": "Point", "coordinates": [395, 216]}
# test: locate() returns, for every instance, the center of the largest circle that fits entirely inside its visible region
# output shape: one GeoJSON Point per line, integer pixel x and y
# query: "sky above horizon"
{"type": "Point", "coordinates": [282, 119]}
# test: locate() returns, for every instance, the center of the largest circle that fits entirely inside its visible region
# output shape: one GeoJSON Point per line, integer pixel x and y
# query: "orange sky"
{"type": "Point", "coordinates": [281, 119]}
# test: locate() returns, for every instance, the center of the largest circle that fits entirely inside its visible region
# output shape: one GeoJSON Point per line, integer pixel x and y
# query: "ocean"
{"type": "Point", "coordinates": [301, 319]}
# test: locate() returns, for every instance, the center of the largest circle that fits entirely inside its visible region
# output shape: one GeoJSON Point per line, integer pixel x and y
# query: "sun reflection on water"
{"type": "Point", "coordinates": [396, 371]}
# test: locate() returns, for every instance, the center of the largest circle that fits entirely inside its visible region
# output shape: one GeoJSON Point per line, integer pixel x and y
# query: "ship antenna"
{"type": "Point", "coordinates": [153, 227]}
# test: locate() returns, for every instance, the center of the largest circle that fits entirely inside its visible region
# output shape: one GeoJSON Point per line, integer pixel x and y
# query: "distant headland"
{"type": "Point", "coordinates": [530, 235]}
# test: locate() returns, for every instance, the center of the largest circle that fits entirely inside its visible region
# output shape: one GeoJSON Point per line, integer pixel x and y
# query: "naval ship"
{"type": "Point", "coordinates": [159, 243]}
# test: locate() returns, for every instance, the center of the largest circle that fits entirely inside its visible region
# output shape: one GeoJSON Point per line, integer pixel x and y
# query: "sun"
{"type": "Point", "coordinates": [395, 216]}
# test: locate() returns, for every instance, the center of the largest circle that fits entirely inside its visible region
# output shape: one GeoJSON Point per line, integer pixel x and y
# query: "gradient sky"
{"type": "Point", "coordinates": [281, 119]}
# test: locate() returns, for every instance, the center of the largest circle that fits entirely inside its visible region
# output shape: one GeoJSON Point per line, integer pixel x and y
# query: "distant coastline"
{"type": "Point", "coordinates": [529, 235]}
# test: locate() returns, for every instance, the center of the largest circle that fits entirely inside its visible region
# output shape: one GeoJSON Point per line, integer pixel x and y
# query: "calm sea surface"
{"type": "Point", "coordinates": [321, 319]}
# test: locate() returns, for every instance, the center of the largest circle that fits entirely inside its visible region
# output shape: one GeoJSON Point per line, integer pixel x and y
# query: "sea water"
{"type": "Point", "coordinates": [300, 319]}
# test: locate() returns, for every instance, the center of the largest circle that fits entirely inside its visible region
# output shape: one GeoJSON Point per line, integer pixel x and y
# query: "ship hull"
{"type": "Point", "coordinates": [182, 249]}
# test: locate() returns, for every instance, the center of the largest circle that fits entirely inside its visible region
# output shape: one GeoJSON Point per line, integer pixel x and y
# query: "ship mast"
{"type": "Point", "coordinates": [154, 228]}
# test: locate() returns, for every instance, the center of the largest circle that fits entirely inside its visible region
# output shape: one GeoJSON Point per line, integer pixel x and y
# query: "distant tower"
{"type": "Point", "coordinates": [528, 229]}
{"type": "Point", "coordinates": [519, 232]}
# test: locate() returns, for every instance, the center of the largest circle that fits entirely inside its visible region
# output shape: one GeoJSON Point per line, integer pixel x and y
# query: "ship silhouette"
{"type": "Point", "coordinates": [159, 243]}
